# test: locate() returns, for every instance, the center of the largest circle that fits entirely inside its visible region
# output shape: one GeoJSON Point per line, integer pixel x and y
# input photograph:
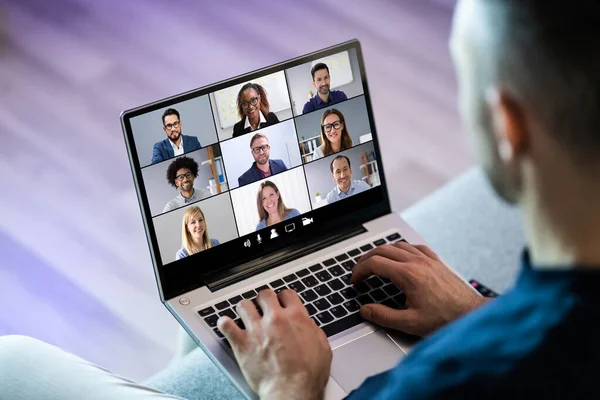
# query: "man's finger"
{"type": "Point", "coordinates": [427, 251]}
{"type": "Point", "coordinates": [409, 248]}
{"type": "Point", "coordinates": [393, 252]}
{"type": "Point", "coordinates": [380, 266]}
{"type": "Point", "coordinates": [267, 300]}
{"type": "Point", "coordinates": [247, 312]}
{"type": "Point", "coordinates": [233, 333]}
{"type": "Point", "coordinates": [289, 298]}
{"type": "Point", "coordinates": [402, 320]}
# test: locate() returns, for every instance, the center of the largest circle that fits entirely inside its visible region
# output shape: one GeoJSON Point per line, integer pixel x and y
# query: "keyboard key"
{"type": "Point", "coordinates": [218, 333]}
{"type": "Point", "coordinates": [309, 295]}
{"type": "Point", "coordinates": [335, 298]}
{"type": "Point", "coordinates": [316, 267]}
{"type": "Point", "coordinates": [222, 305]}
{"type": "Point", "coordinates": [279, 289]}
{"type": "Point", "coordinates": [342, 324]}
{"type": "Point", "coordinates": [342, 257]}
{"type": "Point", "coordinates": [402, 240]}
{"type": "Point", "coordinates": [391, 290]}
{"type": "Point", "coordinates": [276, 283]}
{"type": "Point", "coordinates": [229, 312]}
{"type": "Point", "coordinates": [374, 282]}
{"type": "Point", "coordinates": [352, 306]}
{"type": "Point", "coordinates": [249, 295]}
{"type": "Point", "coordinates": [385, 280]}
{"type": "Point", "coordinates": [310, 281]}
{"type": "Point", "coordinates": [329, 263]}
{"type": "Point", "coordinates": [379, 242]}
{"type": "Point", "coordinates": [323, 276]}
{"type": "Point", "coordinates": [290, 278]}
{"type": "Point", "coordinates": [378, 295]}
{"type": "Point", "coordinates": [261, 288]}
{"type": "Point", "coordinates": [321, 304]}
{"type": "Point", "coordinates": [212, 320]}
{"type": "Point", "coordinates": [336, 270]}
{"type": "Point", "coordinates": [207, 311]}
{"type": "Point", "coordinates": [338, 311]}
{"type": "Point", "coordinates": [325, 317]}
{"type": "Point", "coordinates": [361, 287]}
{"type": "Point", "coordinates": [346, 279]}
{"type": "Point", "coordinates": [390, 303]}
{"type": "Point", "coordinates": [239, 322]}
{"type": "Point", "coordinates": [401, 300]}
{"type": "Point", "coordinates": [303, 272]}
{"type": "Point", "coordinates": [234, 300]}
{"type": "Point", "coordinates": [226, 343]}
{"type": "Point", "coordinates": [311, 309]}
{"type": "Point", "coordinates": [349, 293]}
{"type": "Point", "coordinates": [322, 290]}
{"type": "Point", "coordinates": [365, 299]}
{"type": "Point", "coordinates": [354, 253]}
{"type": "Point", "coordinates": [348, 265]}
{"type": "Point", "coordinates": [297, 286]}
{"type": "Point", "coordinates": [356, 260]}
{"type": "Point", "coordinates": [366, 248]}
{"type": "Point", "coordinates": [393, 237]}
{"type": "Point", "coordinates": [336, 285]}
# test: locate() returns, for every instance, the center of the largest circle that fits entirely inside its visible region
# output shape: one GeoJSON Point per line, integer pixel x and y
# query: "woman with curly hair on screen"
{"type": "Point", "coordinates": [270, 205]}
{"type": "Point", "coordinates": [194, 233]}
{"type": "Point", "coordinates": [334, 134]}
{"type": "Point", "coordinates": [253, 109]}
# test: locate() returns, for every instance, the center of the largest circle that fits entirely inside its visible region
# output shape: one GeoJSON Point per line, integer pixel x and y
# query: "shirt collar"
{"type": "Point", "coordinates": [262, 120]}
{"type": "Point", "coordinates": [180, 196]}
{"type": "Point", "coordinates": [173, 144]}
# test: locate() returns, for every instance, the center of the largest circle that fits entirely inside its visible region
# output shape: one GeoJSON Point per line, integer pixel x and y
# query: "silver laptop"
{"type": "Point", "coordinates": [271, 179]}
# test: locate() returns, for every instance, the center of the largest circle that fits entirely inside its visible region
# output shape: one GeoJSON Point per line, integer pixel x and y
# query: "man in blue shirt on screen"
{"type": "Point", "coordinates": [529, 93]}
{"type": "Point", "coordinates": [341, 172]}
{"type": "Point", "coordinates": [324, 97]}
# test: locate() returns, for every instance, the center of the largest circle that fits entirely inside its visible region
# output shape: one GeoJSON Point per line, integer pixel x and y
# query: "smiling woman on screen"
{"type": "Point", "coordinates": [194, 233]}
{"type": "Point", "coordinates": [270, 205]}
{"type": "Point", "coordinates": [253, 109]}
{"type": "Point", "coordinates": [334, 134]}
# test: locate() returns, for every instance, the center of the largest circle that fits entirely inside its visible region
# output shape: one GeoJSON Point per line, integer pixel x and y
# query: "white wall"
{"type": "Point", "coordinates": [292, 187]}
{"type": "Point", "coordinates": [237, 155]}
{"type": "Point", "coordinates": [218, 215]}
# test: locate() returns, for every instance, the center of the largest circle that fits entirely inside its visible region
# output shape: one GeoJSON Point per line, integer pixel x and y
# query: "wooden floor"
{"type": "Point", "coordinates": [74, 265]}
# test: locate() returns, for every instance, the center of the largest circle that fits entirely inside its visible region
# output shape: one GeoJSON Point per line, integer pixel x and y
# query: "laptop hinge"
{"type": "Point", "coordinates": [219, 280]}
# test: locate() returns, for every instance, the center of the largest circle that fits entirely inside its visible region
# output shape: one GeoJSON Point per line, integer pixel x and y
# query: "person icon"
{"type": "Point", "coordinates": [274, 233]}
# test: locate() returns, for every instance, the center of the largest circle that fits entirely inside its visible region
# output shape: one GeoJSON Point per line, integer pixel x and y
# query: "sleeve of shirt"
{"type": "Point", "coordinates": [156, 157]}
{"type": "Point", "coordinates": [343, 96]}
{"type": "Point", "coordinates": [262, 224]}
{"type": "Point", "coordinates": [318, 153]}
{"type": "Point", "coordinates": [307, 107]}
{"type": "Point", "coordinates": [181, 253]}
{"type": "Point", "coordinates": [168, 207]}
{"type": "Point", "coordinates": [330, 198]}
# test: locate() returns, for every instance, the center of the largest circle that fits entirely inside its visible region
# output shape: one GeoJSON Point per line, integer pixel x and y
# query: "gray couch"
{"type": "Point", "coordinates": [464, 222]}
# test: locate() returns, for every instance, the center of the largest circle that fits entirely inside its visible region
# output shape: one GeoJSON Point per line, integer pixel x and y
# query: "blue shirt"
{"type": "Point", "coordinates": [355, 188]}
{"type": "Point", "coordinates": [263, 224]}
{"type": "Point", "coordinates": [335, 96]}
{"type": "Point", "coordinates": [540, 340]}
{"type": "Point", "coordinates": [182, 253]}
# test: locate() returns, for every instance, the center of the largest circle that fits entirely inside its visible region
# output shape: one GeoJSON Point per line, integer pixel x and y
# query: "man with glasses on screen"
{"type": "Point", "coordinates": [181, 175]}
{"type": "Point", "coordinates": [262, 167]}
{"type": "Point", "coordinates": [175, 144]}
{"type": "Point", "coordinates": [324, 97]}
{"type": "Point", "coordinates": [342, 175]}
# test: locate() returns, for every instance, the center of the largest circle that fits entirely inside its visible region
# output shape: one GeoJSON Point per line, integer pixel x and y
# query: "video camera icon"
{"type": "Point", "coordinates": [307, 221]}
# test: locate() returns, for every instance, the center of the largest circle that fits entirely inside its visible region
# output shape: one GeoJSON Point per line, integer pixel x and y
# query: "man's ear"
{"type": "Point", "coordinates": [508, 123]}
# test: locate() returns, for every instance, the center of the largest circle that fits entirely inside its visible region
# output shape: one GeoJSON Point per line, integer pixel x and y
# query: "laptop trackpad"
{"type": "Point", "coordinates": [357, 360]}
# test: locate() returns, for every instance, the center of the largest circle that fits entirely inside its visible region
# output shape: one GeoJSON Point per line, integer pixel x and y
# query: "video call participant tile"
{"type": "Point", "coordinates": [276, 199]}
{"type": "Point", "coordinates": [250, 106]}
{"type": "Point", "coordinates": [264, 153]}
{"type": "Point", "coordinates": [333, 129]}
{"type": "Point", "coordinates": [195, 228]}
{"type": "Point", "coordinates": [184, 180]}
{"type": "Point", "coordinates": [174, 130]}
{"type": "Point", "coordinates": [342, 175]}
{"type": "Point", "coordinates": [324, 82]}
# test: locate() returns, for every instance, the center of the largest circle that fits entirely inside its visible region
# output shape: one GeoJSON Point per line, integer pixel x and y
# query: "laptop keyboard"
{"type": "Point", "coordinates": [325, 290]}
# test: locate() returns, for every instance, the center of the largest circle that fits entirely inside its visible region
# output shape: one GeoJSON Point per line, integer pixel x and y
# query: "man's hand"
{"type": "Point", "coordinates": [434, 294]}
{"type": "Point", "coordinates": [282, 354]}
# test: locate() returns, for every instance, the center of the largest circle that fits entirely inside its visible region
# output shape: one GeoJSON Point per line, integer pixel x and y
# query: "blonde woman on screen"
{"type": "Point", "coordinates": [334, 134]}
{"type": "Point", "coordinates": [194, 233]}
{"type": "Point", "coordinates": [270, 205]}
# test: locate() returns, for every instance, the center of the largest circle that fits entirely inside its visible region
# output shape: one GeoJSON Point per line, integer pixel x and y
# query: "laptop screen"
{"type": "Point", "coordinates": [249, 168]}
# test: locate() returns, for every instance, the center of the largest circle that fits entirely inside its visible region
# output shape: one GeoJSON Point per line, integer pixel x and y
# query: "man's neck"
{"type": "Point", "coordinates": [187, 194]}
{"type": "Point", "coordinates": [562, 218]}
{"type": "Point", "coordinates": [345, 191]}
{"type": "Point", "coordinates": [324, 98]}
{"type": "Point", "coordinates": [177, 142]}
{"type": "Point", "coordinates": [266, 167]}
